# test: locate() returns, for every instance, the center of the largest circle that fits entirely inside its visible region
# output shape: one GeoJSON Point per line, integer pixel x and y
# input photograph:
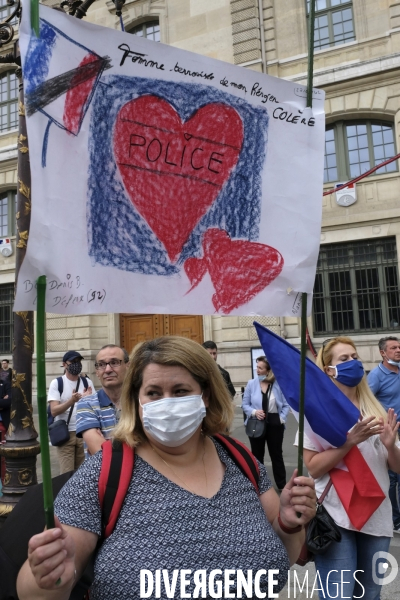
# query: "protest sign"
{"type": "Point", "coordinates": [164, 181]}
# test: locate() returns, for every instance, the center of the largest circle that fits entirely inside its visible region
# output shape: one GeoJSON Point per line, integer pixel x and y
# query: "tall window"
{"type": "Point", "coordinates": [6, 10]}
{"type": "Point", "coordinates": [149, 30]}
{"type": "Point", "coordinates": [6, 317]}
{"type": "Point", "coordinates": [7, 213]}
{"type": "Point", "coordinates": [333, 22]}
{"type": "Point", "coordinates": [352, 148]}
{"type": "Point", "coordinates": [8, 101]}
{"type": "Point", "coordinates": [357, 288]}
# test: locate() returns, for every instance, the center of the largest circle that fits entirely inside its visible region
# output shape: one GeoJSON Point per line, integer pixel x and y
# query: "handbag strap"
{"type": "Point", "coordinates": [72, 407]}
{"type": "Point", "coordinates": [324, 493]}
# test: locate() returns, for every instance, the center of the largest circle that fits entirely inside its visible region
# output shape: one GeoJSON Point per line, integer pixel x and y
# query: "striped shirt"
{"type": "Point", "coordinates": [96, 412]}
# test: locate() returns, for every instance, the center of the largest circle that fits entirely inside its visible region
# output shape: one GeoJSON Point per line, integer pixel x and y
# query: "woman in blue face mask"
{"type": "Point", "coordinates": [375, 437]}
{"type": "Point", "coordinates": [191, 518]}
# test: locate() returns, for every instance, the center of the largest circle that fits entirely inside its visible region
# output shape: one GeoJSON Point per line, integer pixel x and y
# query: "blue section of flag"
{"type": "Point", "coordinates": [36, 66]}
{"type": "Point", "coordinates": [328, 411]}
{"type": "Point", "coordinates": [40, 52]}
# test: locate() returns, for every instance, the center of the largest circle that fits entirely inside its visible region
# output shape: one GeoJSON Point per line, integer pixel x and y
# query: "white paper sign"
{"type": "Point", "coordinates": [164, 181]}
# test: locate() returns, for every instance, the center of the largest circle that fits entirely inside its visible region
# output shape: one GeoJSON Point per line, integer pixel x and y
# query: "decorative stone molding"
{"type": "Point", "coordinates": [269, 30]}
{"type": "Point", "coordinates": [136, 12]}
{"type": "Point", "coordinates": [246, 31]}
{"type": "Point", "coordinates": [381, 102]}
{"type": "Point", "coordinates": [9, 153]}
{"type": "Point", "coordinates": [394, 12]}
{"type": "Point", "coordinates": [270, 322]}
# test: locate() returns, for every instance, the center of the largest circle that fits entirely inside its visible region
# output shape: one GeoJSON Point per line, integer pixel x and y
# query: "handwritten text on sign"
{"type": "Point", "coordinates": [179, 184]}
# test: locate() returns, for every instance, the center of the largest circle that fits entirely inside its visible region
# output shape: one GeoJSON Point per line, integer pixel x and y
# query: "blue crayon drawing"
{"type": "Point", "coordinates": [158, 165]}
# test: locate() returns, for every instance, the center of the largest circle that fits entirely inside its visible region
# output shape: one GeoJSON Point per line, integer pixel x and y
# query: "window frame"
{"type": "Point", "coordinates": [361, 303]}
{"type": "Point", "coordinates": [9, 101]}
{"type": "Point", "coordinates": [328, 11]}
{"type": "Point", "coordinates": [6, 326]}
{"type": "Point", "coordinates": [10, 9]}
{"type": "Point", "coordinates": [11, 196]}
{"type": "Point", "coordinates": [342, 147]}
{"type": "Point", "coordinates": [143, 26]}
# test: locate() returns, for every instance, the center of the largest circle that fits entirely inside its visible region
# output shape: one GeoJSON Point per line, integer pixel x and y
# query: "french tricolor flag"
{"type": "Point", "coordinates": [328, 416]}
{"type": "Point", "coordinates": [63, 95]}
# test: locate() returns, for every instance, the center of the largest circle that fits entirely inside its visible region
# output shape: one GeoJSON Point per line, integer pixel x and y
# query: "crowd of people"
{"type": "Point", "coordinates": [172, 404]}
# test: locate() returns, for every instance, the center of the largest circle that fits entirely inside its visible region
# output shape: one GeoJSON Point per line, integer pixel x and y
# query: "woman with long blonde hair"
{"type": "Point", "coordinates": [375, 436]}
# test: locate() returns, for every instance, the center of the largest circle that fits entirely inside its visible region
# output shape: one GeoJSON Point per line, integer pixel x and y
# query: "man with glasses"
{"type": "Point", "coordinates": [384, 382]}
{"type": "Point", "coordinates": [64, 393]}
{"type": "Point", "coordinates": [98, 414]}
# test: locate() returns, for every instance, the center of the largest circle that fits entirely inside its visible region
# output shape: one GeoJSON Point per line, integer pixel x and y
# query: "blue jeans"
{"type": "Point", "coordinates": [394, 493]}
{"type": "Point", "coordinates": [353, 553]}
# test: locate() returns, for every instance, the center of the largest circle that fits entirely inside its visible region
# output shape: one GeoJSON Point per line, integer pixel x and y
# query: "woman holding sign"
{"type": "Point", "coordinates": [191, 516]}
{"type": "Point", "coordinates": [365, 521]}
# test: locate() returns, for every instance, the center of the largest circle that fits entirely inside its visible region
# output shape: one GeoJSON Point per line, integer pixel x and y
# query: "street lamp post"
{"type": "Point", "coordinates": [21, 447]}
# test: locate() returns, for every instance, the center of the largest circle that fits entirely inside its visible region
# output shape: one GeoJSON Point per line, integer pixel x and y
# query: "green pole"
{"type": "Point", "coordinates": [35, 16]}
{"type": "Point", "coordinates": [310, 69]}
{"type": "Point", "coordinates": [302, 382]}
{"type": "Point", "coordinates": [41, 400]}
{"type": "Point", "coordinates": [303, 346]}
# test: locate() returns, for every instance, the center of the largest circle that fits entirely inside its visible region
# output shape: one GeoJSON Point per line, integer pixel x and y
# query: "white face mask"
{"type": "Point", "coordinates": [393, 362]}
{"type": "Point", "coordinates": [172, 421]}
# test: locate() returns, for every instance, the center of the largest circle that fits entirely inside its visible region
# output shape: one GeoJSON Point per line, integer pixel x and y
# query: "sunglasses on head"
{"type": "Point", "coordinates": [325, 342]}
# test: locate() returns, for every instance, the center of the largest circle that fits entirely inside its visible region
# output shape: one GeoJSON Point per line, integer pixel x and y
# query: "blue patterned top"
{"type": "Point", "coordinates": [96, 412]}
{"type": "Point", "coordinates": [163, 526]}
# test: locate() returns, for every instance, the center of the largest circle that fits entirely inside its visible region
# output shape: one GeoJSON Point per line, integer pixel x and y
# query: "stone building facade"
{"type": "Point", "coordinates": [357, 63]}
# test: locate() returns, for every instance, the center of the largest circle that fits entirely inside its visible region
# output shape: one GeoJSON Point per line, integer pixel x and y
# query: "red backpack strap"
{"type": "Point", "coordinates": [243, 458]}
{"type": "Point", "coordinates": [115, 476]}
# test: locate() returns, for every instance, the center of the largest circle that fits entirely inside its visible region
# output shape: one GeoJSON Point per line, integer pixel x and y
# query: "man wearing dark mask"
{"type": "Point", "coordinates": [384, 382]}
{"type": "Point", "coordinates": [63, 406]}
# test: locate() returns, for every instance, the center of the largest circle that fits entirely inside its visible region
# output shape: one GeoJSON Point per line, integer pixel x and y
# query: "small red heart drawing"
{"type": "Point", "coordinates": [239, 269]}
{"type": "Point", "coordinates": [172, 170]}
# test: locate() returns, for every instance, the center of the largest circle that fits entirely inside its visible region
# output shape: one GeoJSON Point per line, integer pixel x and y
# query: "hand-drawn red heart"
{"type": "Point", "coordinates": [173, 171]}
{"type": "Point", "coordinates": [239, 269]}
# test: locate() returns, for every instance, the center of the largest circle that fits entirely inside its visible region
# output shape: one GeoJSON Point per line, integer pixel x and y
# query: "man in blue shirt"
{"type": "Point", "coordinates": [384, 381]}
{"type": "Point", "coordinates": [98, 414]}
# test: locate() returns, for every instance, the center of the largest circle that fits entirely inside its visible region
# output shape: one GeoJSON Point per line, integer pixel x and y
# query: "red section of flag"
{"type": "Point", "coordinates": [77, 96]}
{"type": "Point", "coordinates": [357, 488]}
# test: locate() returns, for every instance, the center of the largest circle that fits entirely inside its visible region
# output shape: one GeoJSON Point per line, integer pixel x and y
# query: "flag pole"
{"type": "Point", "coordinates": [35, 17]}
{"type": "Point", "coordinates": [41, 400]}
{"type": "Point", "coordinates": [303, 331]}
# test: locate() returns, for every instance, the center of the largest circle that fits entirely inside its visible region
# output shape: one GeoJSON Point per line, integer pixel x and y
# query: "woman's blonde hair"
{"type": "Point", "coordinates": [173, 351]}
{"type": "Point", "coordinates": [270, 378]}
{"type": "Point", "coordinates": [369, 405]}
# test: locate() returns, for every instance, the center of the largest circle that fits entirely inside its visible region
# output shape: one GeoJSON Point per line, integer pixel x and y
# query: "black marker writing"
{"type": "Point", "coordinates": [66, 300]}
{"type": "Point", "coordinates": [201, 74]}
{"type": "Point", "coordinates": [257, 90]}
{"type": "Point", "coordinates": [239, 86]}
{"type": "Point", "coordinates": [137, 57]}
{"type": "Point", "coordinates": [96, 295]}
{"type": "Point", "coordinates": [284, 115]}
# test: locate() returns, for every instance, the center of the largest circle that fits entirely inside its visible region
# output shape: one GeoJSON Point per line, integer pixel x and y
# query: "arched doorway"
{"type": "Point", "coordinates": [138, 328]}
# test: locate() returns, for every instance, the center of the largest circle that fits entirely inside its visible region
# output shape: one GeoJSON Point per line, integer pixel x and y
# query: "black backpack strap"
{"type": "Point", "coordinates": [85, 382]}
{"type": "Point", "coordinates": [115, 475]}
{"type": "Point", "coordinates": [242, 457]}
{"type": "Point", "coordinates": [60, 385]}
